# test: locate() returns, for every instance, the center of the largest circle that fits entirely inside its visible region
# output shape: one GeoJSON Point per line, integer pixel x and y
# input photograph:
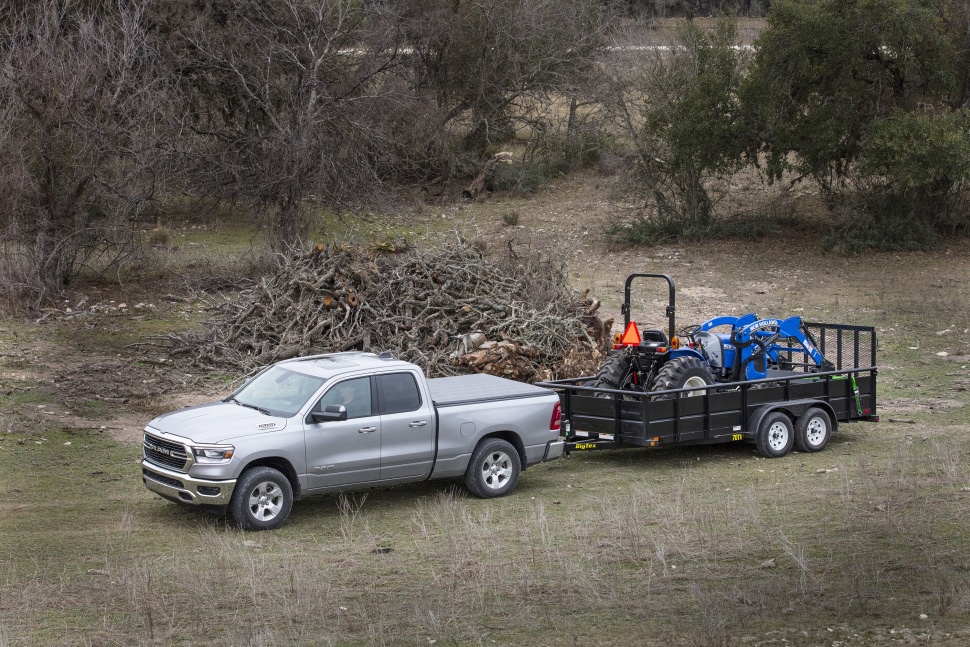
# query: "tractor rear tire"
{"type": "Point", "coordinates": [613, 373]}
{"type": "Point", "coordinates": [682, 372]}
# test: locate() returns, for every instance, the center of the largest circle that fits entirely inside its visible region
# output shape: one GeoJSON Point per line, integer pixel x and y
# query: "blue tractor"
{"type": "Point", "coordinates": [721, 350]}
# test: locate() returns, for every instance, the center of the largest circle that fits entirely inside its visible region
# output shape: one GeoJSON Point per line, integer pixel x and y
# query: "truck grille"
{"type": "Point", "coordinates": [165, 453]}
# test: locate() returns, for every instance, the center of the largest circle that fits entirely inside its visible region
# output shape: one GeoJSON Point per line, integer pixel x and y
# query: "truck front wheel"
{"type": "Point", "coordinates": [262, 499]}
{"type": "Point", "coordinates": [494, 469]}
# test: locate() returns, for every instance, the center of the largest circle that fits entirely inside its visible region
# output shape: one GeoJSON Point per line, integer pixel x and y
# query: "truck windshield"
{"type": "Point", "coordinates": [278, 391]}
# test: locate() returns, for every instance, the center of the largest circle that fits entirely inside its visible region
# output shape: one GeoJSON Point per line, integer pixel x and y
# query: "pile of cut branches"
{"type": "Point", "coordinates": [447, 310]}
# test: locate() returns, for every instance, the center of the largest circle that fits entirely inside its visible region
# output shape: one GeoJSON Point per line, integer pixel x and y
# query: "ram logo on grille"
{"type": "Point", "coordinates": [155, 448]}
{"type": "Point", "coordinates": [163, 452]}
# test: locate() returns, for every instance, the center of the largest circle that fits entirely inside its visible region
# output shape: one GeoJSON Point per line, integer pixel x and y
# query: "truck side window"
{"type": "Point", "coordinates": [399, 393]}
{"type": "Point", "coordinates": [353, 394]}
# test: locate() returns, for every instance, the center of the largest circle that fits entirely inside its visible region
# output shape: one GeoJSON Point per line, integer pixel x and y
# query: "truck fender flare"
{"type": "Point", "coordinates": [510, 437]}
{"type": "Point", "coordinates": [793, 408]}
{"type": "Point", "coordinates": [282, 465]}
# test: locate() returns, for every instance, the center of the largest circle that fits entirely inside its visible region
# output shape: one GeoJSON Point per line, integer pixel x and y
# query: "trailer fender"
{"type": "Point", "coordinates": [793, 408]}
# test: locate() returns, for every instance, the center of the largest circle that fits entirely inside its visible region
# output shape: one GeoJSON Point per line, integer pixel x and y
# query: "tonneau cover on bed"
{"type": "Point", "coordinates": [467, 389]}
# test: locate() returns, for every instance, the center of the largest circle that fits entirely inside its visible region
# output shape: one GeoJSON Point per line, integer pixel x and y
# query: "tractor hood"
{"type": "Point", "coordinates": [216, 422]}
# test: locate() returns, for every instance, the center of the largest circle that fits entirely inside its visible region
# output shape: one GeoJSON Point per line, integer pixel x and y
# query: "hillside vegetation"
{"type": "Point", "coordinates": [862, 543]}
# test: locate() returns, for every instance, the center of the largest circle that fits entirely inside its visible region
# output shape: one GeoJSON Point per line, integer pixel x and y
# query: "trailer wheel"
{"type": "Point", "coordinates": [683, 372]}
{"type": "Point", "coordinates": [775, 435]}
{"type": "Point", "coordinates": [493, 470]}
{"type": "Point", "coordinates": [813, 430]}
{"type": "Point", "coordinates": [262, 499]}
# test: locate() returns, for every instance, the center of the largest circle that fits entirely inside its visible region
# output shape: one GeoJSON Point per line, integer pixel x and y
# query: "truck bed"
{"type": "Point", "coordinates": [470, 389]}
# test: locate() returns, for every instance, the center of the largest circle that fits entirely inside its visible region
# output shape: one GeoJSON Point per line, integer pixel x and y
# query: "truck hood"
{"type": "Point", "coordinates": [215, 422]}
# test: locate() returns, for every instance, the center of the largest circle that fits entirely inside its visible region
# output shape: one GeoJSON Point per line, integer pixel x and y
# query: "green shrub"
{"type": "Point", "coordinates": [524, 178]}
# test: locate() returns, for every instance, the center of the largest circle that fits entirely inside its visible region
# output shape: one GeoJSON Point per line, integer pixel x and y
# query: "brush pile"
{"type": "Point", "coordinates": [447, 310]}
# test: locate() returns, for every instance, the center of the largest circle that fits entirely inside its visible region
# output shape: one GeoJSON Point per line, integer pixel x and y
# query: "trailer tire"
{"type": "Point", "coordinates": [494, 469]}
{"type": "Point", "coordinates": [682, 372]}
{"type": "Point", "coordinates": [613, 373]}
{"type": "Point", "coordinates": [813, 430]}
{"type": "Point", "coordinates": [262, 499]}
{"type": "Point", "coordinates": [775, 435]}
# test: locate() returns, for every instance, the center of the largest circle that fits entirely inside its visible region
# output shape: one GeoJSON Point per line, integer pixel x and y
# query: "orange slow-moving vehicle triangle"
{"type": "Point", "coordinates": [631, 336]}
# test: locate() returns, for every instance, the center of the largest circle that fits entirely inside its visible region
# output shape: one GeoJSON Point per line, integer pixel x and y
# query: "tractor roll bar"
{"type": "Point", "coordinates": [671, 306]}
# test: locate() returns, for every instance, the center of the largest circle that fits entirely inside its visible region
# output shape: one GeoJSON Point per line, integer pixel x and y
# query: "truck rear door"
{"type": "Point", "coordinates": [407, 427]}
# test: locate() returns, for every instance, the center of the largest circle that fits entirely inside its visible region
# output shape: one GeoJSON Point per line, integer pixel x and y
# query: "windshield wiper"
{"type": "Point", "coordinates": [263, 411]}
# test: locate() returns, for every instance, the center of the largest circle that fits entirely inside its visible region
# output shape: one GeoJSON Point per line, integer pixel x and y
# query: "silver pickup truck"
{"type": "Point", "coordinates": [346, 421]}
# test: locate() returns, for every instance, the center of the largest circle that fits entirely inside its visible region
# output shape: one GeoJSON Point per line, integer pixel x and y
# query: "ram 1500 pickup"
{"type": "Point", "coordinates": [344, 421]}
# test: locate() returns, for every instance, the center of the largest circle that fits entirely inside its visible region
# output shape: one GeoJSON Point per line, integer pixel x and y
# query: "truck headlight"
{"type": "Point", "coordinates": [213, 454]}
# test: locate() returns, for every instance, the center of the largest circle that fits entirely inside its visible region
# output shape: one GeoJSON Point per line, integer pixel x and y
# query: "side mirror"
{"type": "Point", "coordinates": [333, 413]}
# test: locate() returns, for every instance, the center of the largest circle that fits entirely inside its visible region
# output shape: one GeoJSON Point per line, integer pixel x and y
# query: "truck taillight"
{"type": "Point", "coordinates": [555, 423]}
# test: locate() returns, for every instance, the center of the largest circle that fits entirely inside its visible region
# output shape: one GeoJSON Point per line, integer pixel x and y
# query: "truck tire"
{"type": "Point", "coordinates": [612, 373]}
{"type": "Point", "coordinates": [683, 372]}
{"type": "Point", "coordinates": [262, 499]}
{"type": "Point", "coordinates": [494, 469]}
{"type": "Point", "coordinates": [813, 430]}
{"type": "Point", "coordinates": [775, 435]}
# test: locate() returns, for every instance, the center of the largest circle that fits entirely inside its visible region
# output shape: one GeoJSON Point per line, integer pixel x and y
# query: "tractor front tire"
{"type": "Point", "coordinates": [683, 372]}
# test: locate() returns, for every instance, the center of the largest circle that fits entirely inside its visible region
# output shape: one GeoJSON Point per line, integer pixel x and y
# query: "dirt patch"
{"type": "Point", "coordinates": [918, 405]}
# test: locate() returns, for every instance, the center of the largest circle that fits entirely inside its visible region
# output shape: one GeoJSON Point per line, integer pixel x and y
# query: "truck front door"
{"type": "Point", "coordinates": [407, 427]}
{"type": "Point", "coordinates": [345, 452]}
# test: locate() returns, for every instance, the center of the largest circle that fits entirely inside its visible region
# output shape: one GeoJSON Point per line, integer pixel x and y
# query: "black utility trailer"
{"type": "Point", "coordinates": [800, 409]}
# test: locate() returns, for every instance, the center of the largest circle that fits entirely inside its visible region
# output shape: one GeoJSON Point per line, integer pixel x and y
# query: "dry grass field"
{"type": "Point", "coordinates": [865, 543]}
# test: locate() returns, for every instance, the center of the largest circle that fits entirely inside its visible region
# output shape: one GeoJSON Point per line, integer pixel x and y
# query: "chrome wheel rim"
{"type": "Point", "coordinates": [496, 470]}
{"type": "Point", "coordinates": [265, 501]}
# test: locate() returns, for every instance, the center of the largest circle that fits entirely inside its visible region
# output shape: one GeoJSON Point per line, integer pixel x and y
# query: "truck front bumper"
{"type": "Point", "coordinates": [182, 488]}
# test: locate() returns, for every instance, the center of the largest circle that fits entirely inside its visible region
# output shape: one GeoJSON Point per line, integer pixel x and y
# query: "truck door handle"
{"type": "Point", "coordinates": [418, 423]}
{"type": "Point", "coordinates": [366, 430]}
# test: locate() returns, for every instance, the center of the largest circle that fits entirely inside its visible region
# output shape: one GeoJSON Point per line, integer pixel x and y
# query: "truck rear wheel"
{"type": "Point", "coordinates": [683, 372]}
{"type": "Point", "coordinates": [262, 499]}
{"type": "Point", "coordinates": [813, 430]}
{"type": "Point", "coordinates": [775, 435]}
{"type": "Point", "coordinates": [494, 469]}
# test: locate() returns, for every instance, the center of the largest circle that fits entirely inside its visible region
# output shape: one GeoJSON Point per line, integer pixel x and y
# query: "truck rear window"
{"type": "Point", "coordinates": [399, 393]}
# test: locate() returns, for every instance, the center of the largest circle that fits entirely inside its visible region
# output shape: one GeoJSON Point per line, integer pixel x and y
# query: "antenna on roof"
{"type": "Point", "coordinates": [385, 355]}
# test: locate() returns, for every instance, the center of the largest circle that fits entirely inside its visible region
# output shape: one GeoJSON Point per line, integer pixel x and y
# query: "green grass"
{"type": "Point", "coordinates": [704, 546]}
{"type": "Point", "coordinates": [669, 546]}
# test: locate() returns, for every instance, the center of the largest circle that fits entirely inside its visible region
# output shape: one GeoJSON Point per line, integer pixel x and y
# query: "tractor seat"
{"type": "Point", "coordinates": [653, 337]}
{"type": "Point", "coordinates": [712, 347]}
